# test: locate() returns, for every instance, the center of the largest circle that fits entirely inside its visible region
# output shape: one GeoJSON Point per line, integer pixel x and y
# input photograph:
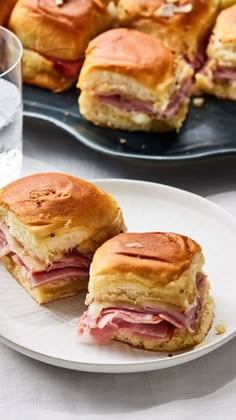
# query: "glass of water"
{"type": "Point", "coordinates": [11, 115]}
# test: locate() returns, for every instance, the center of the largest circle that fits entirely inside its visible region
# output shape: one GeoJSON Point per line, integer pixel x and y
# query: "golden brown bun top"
{"type": "Point", "coordinates": [158, 255]}
{"type": "Point", "coordinates": [132, 53]}
{"type": "Point", "coordinates": [225, 28]}
{"type": "Point", "coordinates": [189, 26]}
{"type": "Point", "coordinates": [62, 31]}
{"type": "Point", "coordinates": [55, 200]}
{"type": "Point", "coordinates": [6, 7]}
{"type": "Point", "coordinates": [152, 8]}
{"type": "Point", "coordinates": [70, 12]}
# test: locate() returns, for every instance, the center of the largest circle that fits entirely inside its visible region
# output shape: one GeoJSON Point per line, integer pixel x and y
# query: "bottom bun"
{"type": "Point", "coordinates": [222, 90]}
{"type": "Point", "coordinates": [181, 339]}
{"type": "Point", "coordinates": [105, 115]}
{"type": "Point", "coordinates": [39, 71]}
{"type": "Point", "coordinates": [47, 292]}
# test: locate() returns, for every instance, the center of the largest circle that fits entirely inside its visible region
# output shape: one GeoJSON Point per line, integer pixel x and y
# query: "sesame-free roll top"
{"type": "Point", "coordinates": [131, 80]}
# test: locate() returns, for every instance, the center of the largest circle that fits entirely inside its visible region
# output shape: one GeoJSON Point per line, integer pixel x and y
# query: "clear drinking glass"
{"type": "Point", "coordinates": [11, 114]}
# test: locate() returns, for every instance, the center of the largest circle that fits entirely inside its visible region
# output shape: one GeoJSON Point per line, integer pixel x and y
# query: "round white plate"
{"type": "Point", "coordinates": [48, 333]}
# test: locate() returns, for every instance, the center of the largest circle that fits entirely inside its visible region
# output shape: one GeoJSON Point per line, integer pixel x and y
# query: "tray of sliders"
{"type": "Point", "coordinates": [149, 80]}
{"type": "Point", "coordinates": [92, 282]}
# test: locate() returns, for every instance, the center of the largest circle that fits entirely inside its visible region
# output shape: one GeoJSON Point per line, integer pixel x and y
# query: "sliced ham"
{"type": "Point", "coordinates": [161, 331]}
{"type": "Point", "coordinates": [68, 69]}
{"type": "Point", "coordinates": [73, 265]}
{"type": "Point", "coordinates": [67, 273]}
{"type": "Point", "coordinates": [198, 61]}
{"type": "Point", "coordinates": [177, 99]}
{"type": "Point", "coordinates": [155, 322]}
{"type": "Point", "coordinates": [65, 269]}
{"type": "Point", "coordinates": [137, 105]}
{"type": "Point", "coordinates": [223, 73]}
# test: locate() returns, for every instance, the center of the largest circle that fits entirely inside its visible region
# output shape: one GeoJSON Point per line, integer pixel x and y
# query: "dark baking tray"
{"type": "Point", "coordinates": [208, 131]}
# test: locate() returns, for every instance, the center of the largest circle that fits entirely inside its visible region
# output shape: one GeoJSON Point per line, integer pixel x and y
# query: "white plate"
{"type": "Point", "coordinates": [48, 333]}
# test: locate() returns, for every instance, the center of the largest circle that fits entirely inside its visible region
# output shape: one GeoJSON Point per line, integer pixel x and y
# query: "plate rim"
{"type": "Point", "coordinates": [188, 157]}
{"type": "Point", "coordinates": [133, 366]}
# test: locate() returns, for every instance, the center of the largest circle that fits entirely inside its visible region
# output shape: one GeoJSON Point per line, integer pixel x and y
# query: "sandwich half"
{"type": "Point", "coordinates": [183, 25]}
{"type": "Point", "coordinates": [55, 34]}
{"type": "Point", "coordinates": [132, 81]}
{"type": "Point", "coordinates": [50, 226]}
{"type": "Point", "coordinates": [148, 290]}
{"type": "Point", "coordinates": [218, 76]}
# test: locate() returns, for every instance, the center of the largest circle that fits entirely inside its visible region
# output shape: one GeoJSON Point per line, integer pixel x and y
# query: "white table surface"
{"type": "Point", "coordinates": [202, 389]}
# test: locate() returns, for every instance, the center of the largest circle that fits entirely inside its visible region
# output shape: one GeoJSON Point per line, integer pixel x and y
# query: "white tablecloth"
{"type": "Point", "coordinates": [201, 389]}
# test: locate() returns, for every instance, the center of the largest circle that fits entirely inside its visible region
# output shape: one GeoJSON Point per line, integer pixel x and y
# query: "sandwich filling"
{"type": "Point", "coordinates": [224, 74]}
{"type": "Point", "coordinates": [177, 99]}
{"type": "Point", "coordinates": [104, 321]}
{"type": "Point", "coordinates": [220, 73]}
{"type": "Point", "coordinates": [68, 69]}
{"type": "Point", "coordinates": [72, 265]}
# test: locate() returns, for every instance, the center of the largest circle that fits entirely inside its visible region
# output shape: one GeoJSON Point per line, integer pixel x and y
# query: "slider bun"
{"type": "Point", "coordinates": [181, 339]}
{"type": "Point", "coordinates": [146, 268]}
{"type": "Point", "coordinates": [134, 65]}
{"type": "Point", "coordinates": [50, 213]}
{"type": "Point", "coordinates": [104, 115]}
{"type": "Point", "coordinates": [41, 72]}
{"type": "Point", "coordinates": [129, 53]}
{"type": "Point", "coordinates": [222, 45]}
{"type": "Point", "coordinates": [206, 84]}
{"type": "Point", "coordinates": [5, 10]}
{"type": "Point", "coordinates": [221, 51]}
{"type": "Point", "coordinates": [58, 31]}
{"type": "Point", "coordinates": [184, 32]}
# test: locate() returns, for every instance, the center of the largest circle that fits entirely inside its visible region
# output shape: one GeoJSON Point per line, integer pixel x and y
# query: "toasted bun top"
{"type": "Point", "coordinates": [131, 53]}
{"type": "Point", "coordinates": [160, 256]}
{"type": "Point", "coordinates": [60, 31]}
{"type": "Point", "coordinates": [182, 24]}
{"type": "Point", "coordinates": [49, 201]}
{"type": "Point", "coordinates": [70, 11]}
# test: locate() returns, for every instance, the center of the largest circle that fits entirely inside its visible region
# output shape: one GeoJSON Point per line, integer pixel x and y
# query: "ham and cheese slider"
{"type": "Point", "coordinates": [183, 25]}
{"type": "Point", "coordinates": [148, 290]}
{"type": "Point", "coordinates": [218, 76]}
{"type": "Point", "coordinates": [6, 7]}
{"type": "Point", "coordinates": [132, 81]}
{"type": "Point", "coordinates": [50, 226]}
{"type": "Point", "coordinates": [55, 34]}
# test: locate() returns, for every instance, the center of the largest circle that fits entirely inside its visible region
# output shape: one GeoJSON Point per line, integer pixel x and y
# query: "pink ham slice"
{"type": "Point", "coordinates": [161, 331]}
{"type": "Point", "coordinates": [153, 322]}
{"type": "Point", "coordinates": [137, 105]}
{"type": "Point", "coordinates": [67, 273]}
{"type": "Point", "coordinates": [72, 266]}
{"type": "Point", "coordinates": [223, 73]}
{"type": "Point", "coordinates": [68, 69]}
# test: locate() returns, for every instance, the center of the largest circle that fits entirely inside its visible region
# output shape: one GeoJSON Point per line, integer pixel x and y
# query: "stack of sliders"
{"type": "Point", "coordinates": [132, 81]}
{"type": "Point", "coordinates": [55, 34]}
{"type": "Point", "coordinates": [50, 226]}
{"type": "Point", "coordinates": [148, 290]}
{"type": "Point", "coordinates": [183, 25]}
{"type": "Point", "coordinates": [218, 76]}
